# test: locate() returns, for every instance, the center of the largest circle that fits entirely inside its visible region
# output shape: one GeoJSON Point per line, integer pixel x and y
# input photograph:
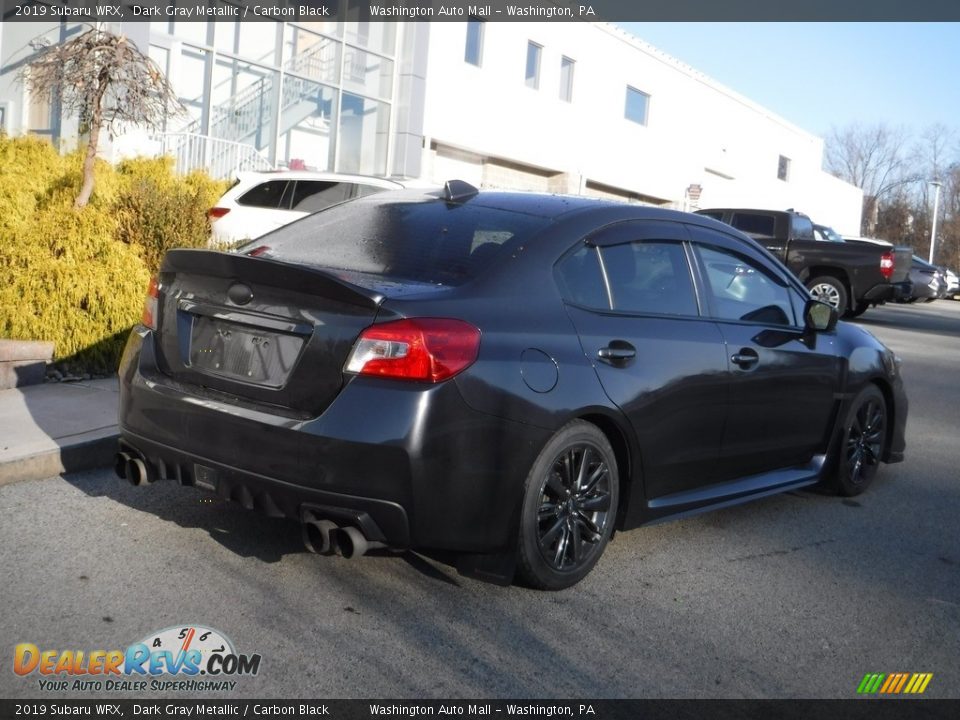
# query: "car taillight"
{"type": "Point", "coordinates": [257, 251]}
{"type": "Point", "coordinates": [886, 265]}
{"type": "Point", "coordinates": [217, 212]}
{"type": "Point", "coordinates": [149, 317]}
{"type": "Point", "coordinates": [427, 349]}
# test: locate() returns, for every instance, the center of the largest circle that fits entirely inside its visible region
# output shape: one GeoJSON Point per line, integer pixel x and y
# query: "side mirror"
{"type": "Point", "coordinates": [819, 317]}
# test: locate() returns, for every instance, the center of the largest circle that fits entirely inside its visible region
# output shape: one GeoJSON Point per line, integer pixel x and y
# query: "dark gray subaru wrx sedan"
{"type": "Point", "coordinates": [508, 376]}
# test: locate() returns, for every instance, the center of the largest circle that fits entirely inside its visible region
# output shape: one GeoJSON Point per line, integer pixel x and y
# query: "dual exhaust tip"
{"type": "Point", "coordinates": [325, 537]}
{"type": "Point", "coordinates": [132, 469]}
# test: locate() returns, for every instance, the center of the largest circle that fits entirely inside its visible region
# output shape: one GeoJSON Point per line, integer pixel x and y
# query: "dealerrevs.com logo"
{"type": "Point", "coordinates": [186, 657]}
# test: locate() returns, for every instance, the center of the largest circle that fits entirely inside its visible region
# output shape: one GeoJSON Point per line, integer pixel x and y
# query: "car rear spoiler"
{"type": "Point", "coordinates": [274, 273]}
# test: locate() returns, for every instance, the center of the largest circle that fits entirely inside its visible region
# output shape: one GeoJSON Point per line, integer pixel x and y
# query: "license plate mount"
{"type": "Point", "coordinates": [240, 352]}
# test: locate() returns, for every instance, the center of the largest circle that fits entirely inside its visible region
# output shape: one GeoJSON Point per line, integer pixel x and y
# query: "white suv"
{"type": "Point", "coordinates": [259, 202]}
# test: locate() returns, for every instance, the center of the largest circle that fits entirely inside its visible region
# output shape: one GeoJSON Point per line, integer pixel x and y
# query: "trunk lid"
{"type": "Point", "coordinates": [259, 329]}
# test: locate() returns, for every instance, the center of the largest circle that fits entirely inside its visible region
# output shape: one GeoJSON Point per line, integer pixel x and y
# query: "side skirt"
{"type": "Point", "coordinates": [735, 492]}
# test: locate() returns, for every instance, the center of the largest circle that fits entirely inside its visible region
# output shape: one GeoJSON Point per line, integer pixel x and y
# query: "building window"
{"type": "Point", "coordinates": [566, 79]}
{"type": "Point", "coordinates": [533, 65]}
{"type": "Point", "coordinates": [637, 106]}
{"type": "Point", "coordinates": [363, 129]}
{"type": "Point", "coordinates": [783, 168]}
{"type": "Point", "coordinates": [474, 50]}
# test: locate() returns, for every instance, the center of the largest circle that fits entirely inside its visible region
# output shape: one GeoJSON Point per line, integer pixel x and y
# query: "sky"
{"type": "Point", "coordinates": [820, 75]}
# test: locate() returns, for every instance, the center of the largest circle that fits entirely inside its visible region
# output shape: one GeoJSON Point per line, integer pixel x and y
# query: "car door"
{"type": "Point", "coordinates": [783, 378]}
{"type": "Point", "coordinates": [630, 294]}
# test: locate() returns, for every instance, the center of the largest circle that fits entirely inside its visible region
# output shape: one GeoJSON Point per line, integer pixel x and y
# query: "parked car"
{"type": "Point", "coordinates": [507, 376]}
{"type": "Point", "coordinates": [848, 276]}
{"type": "Point", "coordinates": [953, 283]}
{"type": "Point", "coordinates": [259, 202]}
{"type": "Point", "coordinates": [929, 281]}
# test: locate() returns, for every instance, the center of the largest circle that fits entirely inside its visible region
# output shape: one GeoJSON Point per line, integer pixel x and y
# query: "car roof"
{"type": "Point", "coordinates": [547, 205]}
{"type": "Point", "coordinates": [256, 176]}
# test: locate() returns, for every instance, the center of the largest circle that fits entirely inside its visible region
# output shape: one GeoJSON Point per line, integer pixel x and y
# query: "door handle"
{"type": "Point", "coordinates": [617, 352]}
{"type": "Point", "coordinates": [746, 358]}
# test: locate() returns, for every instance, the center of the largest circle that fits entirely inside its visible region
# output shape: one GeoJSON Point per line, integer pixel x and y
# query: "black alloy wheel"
{"type": "Point", "coordinates": [863, 442]}
{"type": "Point", "coordinates": [569, 507]}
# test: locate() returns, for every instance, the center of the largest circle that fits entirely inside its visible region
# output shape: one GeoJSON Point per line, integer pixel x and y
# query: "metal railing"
{"type": "Point", "coordinates": [220, 158]}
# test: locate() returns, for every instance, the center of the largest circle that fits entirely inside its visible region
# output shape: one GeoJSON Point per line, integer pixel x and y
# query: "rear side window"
{"type": "Point", "coordinates": [751, 224]}
{"type": "Point", "coordinates": [650, 278]}
{"type": "Point", "coordinates": [264, 195]}
{"type": "Point", "coordinates": [581, 279]}
{"type": "Point", "coordinates": [314, 195]}
{"type": "Point", "coordinates": [427, 241]}
{"type": "Point", "coordinates": [643, 278]}
{"type": "Point", "coordinates": [802, 227]}
{"type": "Point", "coordinates": [364, 190]}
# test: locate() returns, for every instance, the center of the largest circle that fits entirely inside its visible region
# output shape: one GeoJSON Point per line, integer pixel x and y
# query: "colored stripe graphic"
{"type": "Point", "coordinates": [870, 683]}
{"type": "Point", "coordinates": [894, 683]}
{"type": "Point", "coordinates": [891, 682]}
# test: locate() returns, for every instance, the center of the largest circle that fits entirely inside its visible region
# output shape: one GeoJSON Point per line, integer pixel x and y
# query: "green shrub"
{"type": "Point", "coordinates": [78, 277]}
{"type": "Point", "coordinates": [157, 210]}
{"type": "Point", "coordinates": [70, 281]}
{"type": "Point", "coordinates": [29, 164]}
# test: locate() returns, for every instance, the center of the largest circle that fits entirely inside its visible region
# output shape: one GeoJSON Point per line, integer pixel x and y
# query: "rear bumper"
{"type": "Point", "coordinates": [411, 464]}
{"type": "Point", "coordinates": [889, 291]}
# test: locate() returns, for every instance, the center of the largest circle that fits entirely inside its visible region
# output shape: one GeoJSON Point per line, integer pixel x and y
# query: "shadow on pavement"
{"type": "Point", "coordinates": [245, 533]}
{"type": "Point", "coordinates": [921, 318]}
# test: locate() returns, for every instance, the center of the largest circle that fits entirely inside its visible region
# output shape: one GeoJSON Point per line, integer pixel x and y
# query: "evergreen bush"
{"type": "Point", "coordinates": [78, 277]}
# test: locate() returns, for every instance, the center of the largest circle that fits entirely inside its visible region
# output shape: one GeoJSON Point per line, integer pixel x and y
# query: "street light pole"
{"type": "Point", "coordinates": [933, 227]}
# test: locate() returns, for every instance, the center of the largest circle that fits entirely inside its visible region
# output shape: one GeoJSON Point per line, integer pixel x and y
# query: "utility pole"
{"type": "Point", "coordinates": [933, 228]}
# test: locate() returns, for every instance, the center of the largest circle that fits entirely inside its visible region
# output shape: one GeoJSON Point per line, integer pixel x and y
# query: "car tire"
{"type": "Point", "coordinates": [859, 310]}
{"type": "Point", "coordinates": [863, 439]}
{"type": "Point", "coordinates": [569, 507]}
{"type": "Point", "coordinates": [830, 290]}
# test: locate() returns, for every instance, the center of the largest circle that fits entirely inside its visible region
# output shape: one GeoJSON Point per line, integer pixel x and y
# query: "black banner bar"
{"type": "Point", "coordinates": [235, 709]}
{"type": "Point", "coordinates": [491, 10]}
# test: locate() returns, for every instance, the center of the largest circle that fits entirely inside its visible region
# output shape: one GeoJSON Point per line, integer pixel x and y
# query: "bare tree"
{"type": "Point", "coordinates": [932, 154]}
{"type": "Point", "coordinates": [933, 160]}
{"type": "Point", "coordinates": [872, 158]}
{"type": "Point", "coordinates": [105, 80]}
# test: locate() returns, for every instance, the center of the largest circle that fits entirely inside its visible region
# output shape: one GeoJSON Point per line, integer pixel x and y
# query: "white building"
{"type": "Point", "coordinates": [564, 107]}
{"type": "Point", "coordinates": [589, 108]}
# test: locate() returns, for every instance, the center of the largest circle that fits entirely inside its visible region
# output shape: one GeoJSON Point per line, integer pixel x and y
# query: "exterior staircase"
{"type": "Point", "coordinates": [243, 123]}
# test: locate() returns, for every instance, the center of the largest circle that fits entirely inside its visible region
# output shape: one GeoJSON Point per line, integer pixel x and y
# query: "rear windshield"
{"type": "Point", "coordinates": [754, 224]}
{"type": "Point", "coordinates": [418, 240]}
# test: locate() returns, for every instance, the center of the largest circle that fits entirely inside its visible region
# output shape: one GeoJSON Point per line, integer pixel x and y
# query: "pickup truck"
{"type": "Point", "coordinates": [849, 276]}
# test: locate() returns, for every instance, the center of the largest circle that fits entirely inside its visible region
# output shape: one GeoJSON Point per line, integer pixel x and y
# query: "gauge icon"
{"type": "Point", "coordinates": [181, 639]}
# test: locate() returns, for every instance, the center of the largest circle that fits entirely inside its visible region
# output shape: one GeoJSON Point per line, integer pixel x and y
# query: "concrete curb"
{"type": "Point", "coordinates": [86, 454]}
{"type": "Point", "coordinates": [55, 428]}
